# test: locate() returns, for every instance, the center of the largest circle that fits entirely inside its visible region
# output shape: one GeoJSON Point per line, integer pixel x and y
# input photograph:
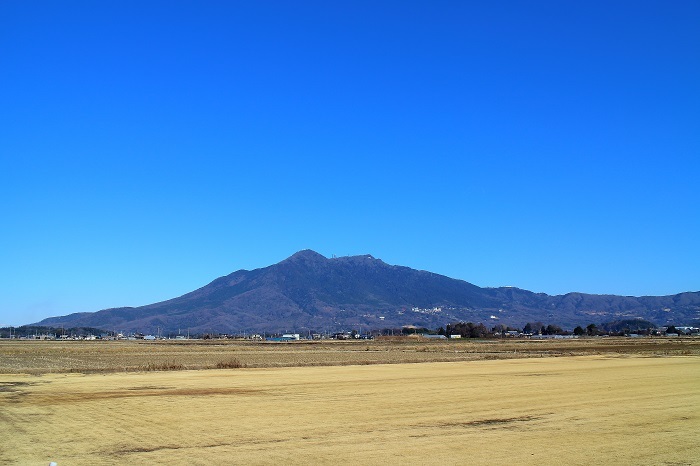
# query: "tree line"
{"type": "Point", "coordinates": [27, 331]}
{"type": "Point", "coordinates": [479, 330]}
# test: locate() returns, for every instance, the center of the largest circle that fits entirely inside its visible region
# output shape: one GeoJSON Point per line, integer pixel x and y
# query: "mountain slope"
{"type": "Point", "coordinates": [308, 292]}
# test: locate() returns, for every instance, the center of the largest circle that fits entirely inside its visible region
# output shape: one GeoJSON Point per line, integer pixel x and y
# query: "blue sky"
{"type": "Point", "coordinates": [147, 148]}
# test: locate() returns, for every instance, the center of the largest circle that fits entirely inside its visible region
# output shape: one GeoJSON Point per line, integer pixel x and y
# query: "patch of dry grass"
{"type": "Point", "coordinates": [40, 357]}
{"type": "Point", "coordinates": [232, 363]}
{"type": "Point", "coordinates": [578, 410]}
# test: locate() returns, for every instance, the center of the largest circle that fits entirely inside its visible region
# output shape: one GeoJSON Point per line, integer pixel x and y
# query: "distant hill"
{"type": "Point", "coordinates": [309, 292]}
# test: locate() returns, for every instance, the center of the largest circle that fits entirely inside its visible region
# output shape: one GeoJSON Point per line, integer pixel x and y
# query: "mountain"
{"type": "Point", "coordinates": [308, 291]}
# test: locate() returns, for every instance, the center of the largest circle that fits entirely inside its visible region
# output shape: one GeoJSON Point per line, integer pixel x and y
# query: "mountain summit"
{"type": "Point", "coordinates": [308, 291]}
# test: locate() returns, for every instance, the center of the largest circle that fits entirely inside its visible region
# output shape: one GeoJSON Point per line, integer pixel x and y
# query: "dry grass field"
{"type": "Point", "coordinates": [39, 357]}
{"type": "Point", "coordinates": [614, 404]}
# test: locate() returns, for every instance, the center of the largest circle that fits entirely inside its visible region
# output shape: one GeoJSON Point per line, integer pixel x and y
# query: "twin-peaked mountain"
{"type": "Point", "coordinates": [308, 292]}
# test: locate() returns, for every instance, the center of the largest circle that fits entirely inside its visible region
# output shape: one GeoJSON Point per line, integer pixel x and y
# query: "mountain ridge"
{"type": "Point", "coordinates": [308, 291]}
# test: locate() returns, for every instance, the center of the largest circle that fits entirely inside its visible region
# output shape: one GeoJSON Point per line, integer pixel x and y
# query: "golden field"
{"type": "Point", "coordinates": [611, 405]}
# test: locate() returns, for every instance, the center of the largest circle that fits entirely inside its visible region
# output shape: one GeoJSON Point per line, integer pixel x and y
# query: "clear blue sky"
{"type": "Point", "coordinates": [147, 148]}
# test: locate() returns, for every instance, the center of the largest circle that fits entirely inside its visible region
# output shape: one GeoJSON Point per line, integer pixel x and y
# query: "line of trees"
{"type": "Point", "coordinates": [621, 327]}
{"type": "Point", "coordinates": [26, 331]}
{"type": "Point", "coordinates": [466, 330]}
{"type": "Point", "coordinates": [472, 330]}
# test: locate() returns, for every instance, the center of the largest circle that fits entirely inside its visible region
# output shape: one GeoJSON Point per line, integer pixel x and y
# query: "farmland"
{"type": "Point", "coordinates": [39, 357]}
{"type": "Point", "coordinates": [597, 401]}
